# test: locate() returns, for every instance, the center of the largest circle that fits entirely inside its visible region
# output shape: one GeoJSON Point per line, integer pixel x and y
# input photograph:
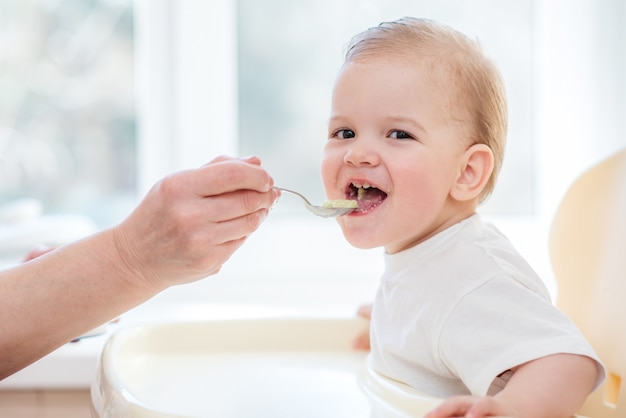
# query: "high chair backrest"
{"type": "Point", "coordinates": [588, 253]}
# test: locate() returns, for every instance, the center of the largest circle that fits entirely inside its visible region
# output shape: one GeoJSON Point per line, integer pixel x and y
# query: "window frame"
{"type": "Point", "coordinates": [180, 123]}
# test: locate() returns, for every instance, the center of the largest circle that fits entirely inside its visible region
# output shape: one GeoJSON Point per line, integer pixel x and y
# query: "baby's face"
{"type": "Point", "coordinates": [393, 144]}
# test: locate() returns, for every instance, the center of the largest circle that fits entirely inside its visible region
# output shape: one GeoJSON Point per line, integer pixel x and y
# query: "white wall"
{"type": "Point", "coordinates": [580, 90]}
{"type": "Point", "coordinates": [579, 108]}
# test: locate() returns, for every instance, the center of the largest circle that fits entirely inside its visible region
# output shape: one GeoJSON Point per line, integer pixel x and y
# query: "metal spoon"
{"type": "Point", "coordinates": [323, 211]}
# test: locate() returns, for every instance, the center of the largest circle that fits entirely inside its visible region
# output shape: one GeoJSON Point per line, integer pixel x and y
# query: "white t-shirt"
{"type": "Point", "coordinates": [456, 311]}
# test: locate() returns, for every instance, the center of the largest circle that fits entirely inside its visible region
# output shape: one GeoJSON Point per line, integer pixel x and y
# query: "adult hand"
{"type": "Point", "coordinates": [191, 222]}
{"type": "Point", "coordinates": [185, 228]}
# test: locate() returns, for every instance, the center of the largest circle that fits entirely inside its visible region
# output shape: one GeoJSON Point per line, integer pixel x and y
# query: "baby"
{"type": "Point", "coordinates": [416, 135]}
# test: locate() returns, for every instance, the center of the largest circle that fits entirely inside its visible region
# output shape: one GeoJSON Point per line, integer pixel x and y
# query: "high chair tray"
{"type": "Point", "coordinates": [232, 368]}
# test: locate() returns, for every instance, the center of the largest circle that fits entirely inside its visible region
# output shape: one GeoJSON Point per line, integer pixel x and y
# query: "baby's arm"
{"type": "Point", "coordinates": [362, 341]}
{"type": "Point", "coordinates": [554, 386]}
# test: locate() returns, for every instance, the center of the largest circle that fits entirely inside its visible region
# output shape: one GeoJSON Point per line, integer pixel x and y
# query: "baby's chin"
{"type": "Point", "coordinates": [356, 238]}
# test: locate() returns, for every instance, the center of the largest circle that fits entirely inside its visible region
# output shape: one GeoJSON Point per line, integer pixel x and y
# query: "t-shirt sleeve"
{"type": "Point", "coordinates": [503, 324]}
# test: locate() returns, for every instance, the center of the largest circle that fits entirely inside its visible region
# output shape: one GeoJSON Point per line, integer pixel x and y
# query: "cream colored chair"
{"type": "Point", "coordinates": [588, 253]}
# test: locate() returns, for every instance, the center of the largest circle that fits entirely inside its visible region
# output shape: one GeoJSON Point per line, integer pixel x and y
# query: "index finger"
{"type": "Point", "coordinates": [228, 176]}
{"type": "Point", "coordinates": [252, 159]}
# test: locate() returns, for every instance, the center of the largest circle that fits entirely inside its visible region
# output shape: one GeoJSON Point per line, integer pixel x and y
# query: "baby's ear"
{"type": "Point", "coordinates": [474, 172]}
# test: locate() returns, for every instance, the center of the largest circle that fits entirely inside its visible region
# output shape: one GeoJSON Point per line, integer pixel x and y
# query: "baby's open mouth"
{"type": "Point", "coordinates": [366, 195]}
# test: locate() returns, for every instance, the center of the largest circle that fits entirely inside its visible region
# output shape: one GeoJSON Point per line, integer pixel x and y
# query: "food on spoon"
{"type": "Point", "coordinates": [341, 203]}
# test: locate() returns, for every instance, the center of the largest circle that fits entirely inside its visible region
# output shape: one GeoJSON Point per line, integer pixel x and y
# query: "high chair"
{"type": "Point", "coordinates": [588, 253]}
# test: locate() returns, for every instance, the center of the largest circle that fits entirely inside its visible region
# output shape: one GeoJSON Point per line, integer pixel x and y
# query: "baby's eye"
{"type": "Point", "coordinates": [400, 135]}
{"type": "Point", "coordinates": [344, 133]}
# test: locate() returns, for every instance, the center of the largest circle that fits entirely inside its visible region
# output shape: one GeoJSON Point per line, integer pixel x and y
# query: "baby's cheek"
{"type": "Point", "coordinates": [328, 173]}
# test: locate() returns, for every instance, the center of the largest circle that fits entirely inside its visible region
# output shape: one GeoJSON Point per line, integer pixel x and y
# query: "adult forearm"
{"type": "Point", "coordinates": [48, 301]}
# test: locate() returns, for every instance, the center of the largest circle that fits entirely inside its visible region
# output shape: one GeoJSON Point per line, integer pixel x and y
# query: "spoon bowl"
{"type": "Point", "coordinates": [322, 211]}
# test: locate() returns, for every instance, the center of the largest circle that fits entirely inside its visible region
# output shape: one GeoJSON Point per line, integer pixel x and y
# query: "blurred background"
{"type": "Point", "coordinates": [68, 126]}
{"type": "Point", "coordinates": [101, 98]}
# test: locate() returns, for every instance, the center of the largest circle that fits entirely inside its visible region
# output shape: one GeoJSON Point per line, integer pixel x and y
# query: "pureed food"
{"type": "Point", "coordinates": [340, 203]}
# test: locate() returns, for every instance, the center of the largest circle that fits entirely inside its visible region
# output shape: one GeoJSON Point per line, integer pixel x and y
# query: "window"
{"type": "Point", "coordinates": [247, 77]}
{"type": "Point", "coordinates": [286, 55]}
{"type": "Point", "coordinates": [257, 80]}
{"type": "Point", "coordinates": [70, 119]}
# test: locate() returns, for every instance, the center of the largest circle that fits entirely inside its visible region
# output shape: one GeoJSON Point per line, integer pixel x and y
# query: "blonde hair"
{"type": "Point", "coordinates": [476, 82]}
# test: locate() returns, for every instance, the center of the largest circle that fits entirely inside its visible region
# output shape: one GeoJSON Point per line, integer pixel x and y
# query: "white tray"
{"type": "Point", "coordinates": [240, 368]}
